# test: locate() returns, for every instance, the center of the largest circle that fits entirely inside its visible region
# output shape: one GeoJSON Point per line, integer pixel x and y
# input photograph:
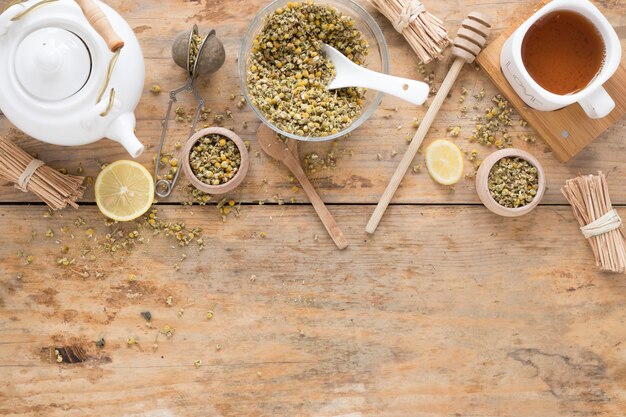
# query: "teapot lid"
{"type": "Point", "coordinates": [52, 64]}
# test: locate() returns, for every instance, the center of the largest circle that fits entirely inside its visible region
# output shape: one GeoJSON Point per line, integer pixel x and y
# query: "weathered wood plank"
{"type": "Point", "coordinates": [359, 177]}
{"type": "Point", "coordinates": [451, 311]}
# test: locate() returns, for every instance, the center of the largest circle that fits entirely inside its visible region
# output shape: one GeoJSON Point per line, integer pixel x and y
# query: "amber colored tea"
{"type": "Point", "coordinates": [563, 51]}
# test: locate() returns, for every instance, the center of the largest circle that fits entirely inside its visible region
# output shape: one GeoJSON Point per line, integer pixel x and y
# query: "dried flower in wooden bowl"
{"type": "Point", "coordinates": [510, 182]}
{"type": "Point", "coordinates": [215, 160]}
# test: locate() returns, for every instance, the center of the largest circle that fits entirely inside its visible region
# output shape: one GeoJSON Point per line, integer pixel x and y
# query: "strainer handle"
{"type": "Point", "coordinates": [98, 20]}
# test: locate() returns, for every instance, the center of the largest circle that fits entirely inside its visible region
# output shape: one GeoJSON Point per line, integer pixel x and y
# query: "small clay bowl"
{"type": "Point", "coordinates": [235, 180]}
{"type": "Point", "coordinates": [482, 183]}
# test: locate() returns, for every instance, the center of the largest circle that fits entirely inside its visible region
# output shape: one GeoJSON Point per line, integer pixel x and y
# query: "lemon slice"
{"type": "Point", "coordinates": [444, 161]}
{"type": "Point", "coordinates": [124, 190]}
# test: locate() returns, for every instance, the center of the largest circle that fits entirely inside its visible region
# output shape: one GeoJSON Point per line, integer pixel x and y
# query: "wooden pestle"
{"type": "Point", "coordinates": [470, 40]}
{"type": "Point", "coordinates": [98, 20]}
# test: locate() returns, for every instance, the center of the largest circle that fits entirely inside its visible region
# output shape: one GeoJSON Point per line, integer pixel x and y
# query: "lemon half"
{"type": "Point", "coordinates": [124, 190]}
{"type": "Point", "coordinates": [444, 161]}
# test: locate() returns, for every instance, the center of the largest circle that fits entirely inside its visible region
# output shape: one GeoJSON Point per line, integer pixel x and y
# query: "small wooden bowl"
{"type": "Point", "coordinates": [235, 180]}
{"type": "Point", "coordinates": [482, 183]}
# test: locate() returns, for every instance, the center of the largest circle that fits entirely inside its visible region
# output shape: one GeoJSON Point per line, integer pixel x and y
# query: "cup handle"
{"type": "Point", "coordinates": [597, 104]}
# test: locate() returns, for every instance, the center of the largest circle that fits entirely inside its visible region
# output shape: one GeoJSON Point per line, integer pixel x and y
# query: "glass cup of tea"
{"type": "Point", "coordinates": [563, 55]}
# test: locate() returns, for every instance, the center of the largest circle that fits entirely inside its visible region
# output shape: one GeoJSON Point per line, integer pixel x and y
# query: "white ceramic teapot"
{"type": "Point", "coordinates": [61, 82]}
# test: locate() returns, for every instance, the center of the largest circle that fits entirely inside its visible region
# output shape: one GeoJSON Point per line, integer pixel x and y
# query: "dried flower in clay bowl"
{"type": "Point", "coordinates": [215, 160]}
{"type": "Point", "coordinates": [510, 182]}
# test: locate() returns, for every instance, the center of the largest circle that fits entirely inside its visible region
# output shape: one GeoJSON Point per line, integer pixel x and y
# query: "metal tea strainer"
{"type": "Point", "coordinates": [210, 56]}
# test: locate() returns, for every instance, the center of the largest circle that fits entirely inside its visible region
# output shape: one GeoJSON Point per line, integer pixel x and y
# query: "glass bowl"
{"type": "Point", "coordinates": [376, 60]}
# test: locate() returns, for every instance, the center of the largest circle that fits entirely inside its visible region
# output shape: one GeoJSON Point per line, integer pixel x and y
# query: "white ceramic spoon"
{"type": "Point", "coordinates": [350, 74]}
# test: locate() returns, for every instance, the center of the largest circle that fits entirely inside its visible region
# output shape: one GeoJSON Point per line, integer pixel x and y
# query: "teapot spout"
{"type": "Point", "coordinates": [122, 130]}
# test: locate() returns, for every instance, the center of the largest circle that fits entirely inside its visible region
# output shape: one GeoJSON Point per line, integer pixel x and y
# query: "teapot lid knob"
{"type": "Point", "coordinates": [49, 59]}
{"type": "Point", "coordinates": [52, 64]}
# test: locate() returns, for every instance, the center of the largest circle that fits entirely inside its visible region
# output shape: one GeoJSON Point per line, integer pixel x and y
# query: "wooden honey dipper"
{"type": "Point", "coordinates": [470, 40]}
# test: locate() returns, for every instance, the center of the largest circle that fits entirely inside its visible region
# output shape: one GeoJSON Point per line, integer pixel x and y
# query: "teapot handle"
{"type": "Point", "coordinates": [101, 24]}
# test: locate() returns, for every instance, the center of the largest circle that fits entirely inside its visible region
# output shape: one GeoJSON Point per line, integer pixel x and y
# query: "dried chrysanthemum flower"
{"type": "Point", "coordinates": [513, 182]}
{"type": "Point", "coordinates": [288, 74]}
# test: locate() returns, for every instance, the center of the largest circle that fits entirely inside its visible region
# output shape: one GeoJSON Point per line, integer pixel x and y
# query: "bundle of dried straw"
{"type": "Point", "coordinates": [29, 174]}
{"type": "Point", "coordinates": [423, 31]}
{"type": "Point", "coordinates": [599, 222]}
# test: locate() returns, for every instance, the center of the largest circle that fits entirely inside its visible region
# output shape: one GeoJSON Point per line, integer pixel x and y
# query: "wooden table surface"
{"type": "Point", "coordinates": [447, 310]}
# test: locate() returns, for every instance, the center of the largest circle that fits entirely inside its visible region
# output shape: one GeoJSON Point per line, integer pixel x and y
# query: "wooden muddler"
{"type": "Point", "coordinates": [98, 20]}
{"type": "Point", "coordinates": [470, 40]}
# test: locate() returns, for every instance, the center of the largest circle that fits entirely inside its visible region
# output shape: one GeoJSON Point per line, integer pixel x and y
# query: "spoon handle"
{"type": "Point", "coordinates": [415, 92]}
{"type": "Point", "coordinates": [327, 219]}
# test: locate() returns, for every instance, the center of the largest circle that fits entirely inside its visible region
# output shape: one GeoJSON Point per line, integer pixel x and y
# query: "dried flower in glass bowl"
{"type": "Point", "coordinates": [284, 74]}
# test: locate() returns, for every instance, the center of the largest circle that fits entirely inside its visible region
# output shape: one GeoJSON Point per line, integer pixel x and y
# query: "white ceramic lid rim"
{"type": "Point", "coordinates": [76, 120]}
{"type": "Point", "coordinates": [52, 64]}
{"type": "Point", "coordinates": [77, 102]}
{"type": "Point", "coordinates": [609, 36]}
{"type": "Point", "coordinates": [30, 113]}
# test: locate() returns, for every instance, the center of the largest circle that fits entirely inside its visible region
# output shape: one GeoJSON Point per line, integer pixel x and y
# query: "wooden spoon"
{"type": "Point", "coordinates": [287, 153]}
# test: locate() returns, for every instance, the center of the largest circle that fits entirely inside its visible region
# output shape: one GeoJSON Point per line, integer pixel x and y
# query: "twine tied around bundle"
{"type": "Point", "coordinates": [24, 178]}
{"type": "Point", "coordinates": [410, 11]}
{"type": "Point", "coordinates": [424, 32]}
{"type": "Point", "coordinates": [606, 223]}
{"type": "Point", "coordinates": [57, 190]}
{"type": "Point", "coordinates": [599, 222]}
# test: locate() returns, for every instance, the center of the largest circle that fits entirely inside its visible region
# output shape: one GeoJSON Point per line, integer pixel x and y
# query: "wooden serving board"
{"type": "Point", "coordinates": [569, 130]}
